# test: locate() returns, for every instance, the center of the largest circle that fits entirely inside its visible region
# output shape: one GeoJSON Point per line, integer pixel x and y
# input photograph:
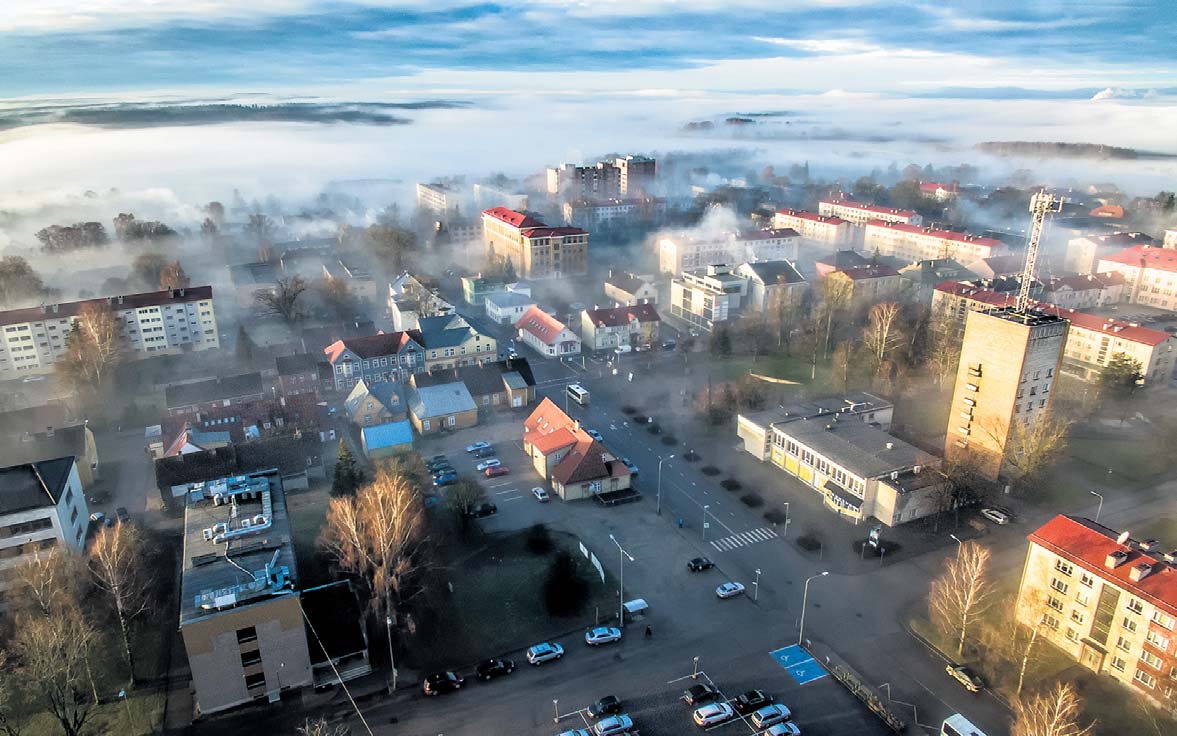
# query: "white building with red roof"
{"type": "Point", "coordinates": [547, 335]}
{"type": "Point", "coordinates": [1150, 275]}
{"type": "Point", "coordinates": [1108, 601]}
{"type": "Point", "coordinates": [563, 452]}
{"type": "Point", "coordinates": [861, 213]}
{"type": "Point", "coordinates": [534, 249]}
{"type": "Point", "coordinates": [824, 229]}
{"type": "Point", "coordinates": [606, 329]}
{"type": "Point", "coordinates": [940, 190]}
{"type": "Point", "coordinates": [683, 252]}
{"type": "Point", "coordinates": [915, 243]}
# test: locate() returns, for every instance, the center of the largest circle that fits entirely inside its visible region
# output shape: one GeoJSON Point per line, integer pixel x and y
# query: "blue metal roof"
{"type": "Point", "coordinates": [388, 435]}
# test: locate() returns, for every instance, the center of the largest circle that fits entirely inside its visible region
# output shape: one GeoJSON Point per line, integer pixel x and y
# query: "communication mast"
{"type": "Point", "coordinates": [1041, 203]}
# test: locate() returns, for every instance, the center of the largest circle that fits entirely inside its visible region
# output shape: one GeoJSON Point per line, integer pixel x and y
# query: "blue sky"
{"type": "Point", "coordinates": [377, 48]}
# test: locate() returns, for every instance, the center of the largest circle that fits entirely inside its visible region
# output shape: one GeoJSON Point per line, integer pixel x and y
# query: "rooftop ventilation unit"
{"type": "Point", "coordinates": [1140, 571]}
{"type": "Point", "coordinates": [1115, 559]}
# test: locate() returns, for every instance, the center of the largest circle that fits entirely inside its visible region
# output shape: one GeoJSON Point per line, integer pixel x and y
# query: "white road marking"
{"type": "Point", "coordinates": [741, 539]}
{"type": "Point", "coordinates": [509, 490]}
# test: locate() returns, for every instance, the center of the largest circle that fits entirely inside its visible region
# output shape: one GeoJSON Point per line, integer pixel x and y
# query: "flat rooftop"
{"type": "Point", "coordinates": [853, 404]}
{"type": "Point", "coordinates": [237, 546]}
{"type": "Point", "coordinates": [866, 451]}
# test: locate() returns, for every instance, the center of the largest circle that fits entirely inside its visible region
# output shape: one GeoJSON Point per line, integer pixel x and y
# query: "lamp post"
{"type": "Point", "coordinates": [787, 519]}
{"type": "Point", "coordinates": [707, 506]}
{"type": "Point", "coordinates": [695, 672]}
{"type": "Point", "coordinates": [660, 461]}
{"type": "Point", "coordinates": [959, 544]}
{"type": "Point", "coordinates": [621, 582]}
{"type": "Point", "coordinates": [756, 586]}
{"type": "Point", "coordinates": [1100, 508]}
{"type": "Point", "coordinates": [804, 599]}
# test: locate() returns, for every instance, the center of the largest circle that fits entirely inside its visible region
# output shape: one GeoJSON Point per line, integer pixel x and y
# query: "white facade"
{"type": "Point", "coordinates": [832, 231]}
{"type": "Point", "coordinates": [706, 297]}
{"type": "Point", "coordinates": [860, 213]}
{"type": "Point", "coordinates": [439, 200]}
{"type": "Point", "coordinates": [677, 254]}
{"type": "Point", "coordinates": [913, 243]}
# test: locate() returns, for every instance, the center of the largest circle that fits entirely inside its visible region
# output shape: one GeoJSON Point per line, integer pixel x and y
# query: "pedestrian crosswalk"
{"type": "Point", "coordinates": [763, 534]}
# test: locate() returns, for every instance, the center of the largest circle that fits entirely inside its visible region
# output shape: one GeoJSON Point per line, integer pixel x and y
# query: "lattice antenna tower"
{"type": "Point", "coordinates": [1041, 204]}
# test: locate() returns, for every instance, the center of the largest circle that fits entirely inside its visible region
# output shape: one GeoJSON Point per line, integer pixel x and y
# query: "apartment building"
{"type": "Point", "coordinates": [826, 230]}
{"type": "Point", "coordinates": [869, 285]}
{"type": "Point", "coordinates": [535, 250]}
{"type": "Point", "coordinates": [601, 180]}
{"type": "Point", "coordinates": [914, 243]}
{"type": "Point", "coordinates": [440, 200]}
{"type": "Point", "coordinates": [705, 297]}
{"type": "Point", "coordinates": [1150, 275]}
{"type": "Point", "coordinates": [1084, 292]}
{"type": "Point", "coordinates": [158, 322]}
{"type": "Point", "coordinates": [605, 214]}
{"type": "Point", "coordinates": [605, 329]}
{"type": "Point", "coordinates": [1092, 341]}
{"type": "Point", "coordinates": [638, 174]}
{"type": "Point", "coordinates": [1009, 361]}
{"type": "Point", "coordinates": [772, 285]}
{"type": "Point", "coordinates": [860, 213]}
{"type": "Point", "coordinates": [392, 356]}
{"type": "Point", "coordinates": [1107, 601]}
{"type": "Point", "coordinates": [42, 505]}
{"type": "Point", "coordinates": [1084, 253]}
{"type": "Point", "coordinates": [681, 253]}
{"type": "Point", "coordinates": [240, 617]}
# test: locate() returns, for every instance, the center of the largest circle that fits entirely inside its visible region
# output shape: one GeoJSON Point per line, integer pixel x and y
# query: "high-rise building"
{"type": "Point", "coordinates": [1009, 360]}
{"type": "Point", "coordinates": [637, 174]}
{"type": "Point", "coordinates": [601, 180]}
{"type": "Point", "coordinates": [440, 200]}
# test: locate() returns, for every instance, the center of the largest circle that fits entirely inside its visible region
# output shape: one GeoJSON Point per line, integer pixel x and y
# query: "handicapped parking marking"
{"type": "Point", "coordinates": [798, 663]}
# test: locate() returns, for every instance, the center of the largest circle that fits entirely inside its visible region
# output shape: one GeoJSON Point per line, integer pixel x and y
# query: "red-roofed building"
{"type": "Point", "coordinates": [547, 335]}
{"type": "Point", "coordinates": [832, 231]}
{"type": "Point", "coordinates": [861, 213]}
{"type": "Point", "coordinates": [1091, 341]}
{"type": "Point", "coordinates": [1084, 292]}
{"type": "Point", "coordinates": [534, 249]}
{"type": "Point", "coordinates": [565, 454]}
{"type": "Point", "coordinates": [914, 243]}
{"type": "Point", "coordinates": [939, 190]}
{"type": "Point", "coordinates": [1084, 253]}
{"type": "Point", "coordinates": [385, 356]}
{"type": "Point", "coordinates": [1150, 274]}
{"type": "Point", "coordinates": [605, 329]}
{"type": "Point", "coordinates": [1108, 601]}
{"type": "Point", "coordinates": [869, 284]}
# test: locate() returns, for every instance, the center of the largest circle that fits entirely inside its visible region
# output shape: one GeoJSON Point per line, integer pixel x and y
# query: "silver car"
{"type": "Point", "coordinates": [544, 652]}
{"type": "Point", "coordinates": [494, 462]}
{"type": "Point", "coordinates": [613, 725]}
{"type": "Point", "coordinates": [729, 590]}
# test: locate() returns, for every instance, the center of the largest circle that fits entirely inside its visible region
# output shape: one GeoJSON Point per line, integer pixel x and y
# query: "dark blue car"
{"type": "Point", "coordinates": [445, 480]}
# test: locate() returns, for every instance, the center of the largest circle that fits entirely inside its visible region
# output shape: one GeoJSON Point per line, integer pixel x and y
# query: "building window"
{"type": "Point", "coordinates": [256, 680]}
{"type": "Point", "coordinates": [1157, 640]}
{"type": "Point", "coordinates": [1054, 603]}
{"type": "Point", "coordinates": [1087, 579]}
{"type": "Point", "coordinates": [1150, 659]}
{"type": "Point", "coordinates": [1135, 605]}
{"type": "Point", "coordinates": [1128, 624]}
{"type": "Point", "coordinates": [1064, 567]}
{"type": "Point", "coordinates": [250, 658]}
{"type": "Point", "coordinates": [1163, 619]}
{"type": "Point", "coordinates": [1145, 679]}
{"type": "Point", "coordinates": [1058, 585]}
{"type": "Point", "coordinates": [1077, 616]}
{"type": "Point", "coordinates": [1123, 644]}
{"type": "Point", "coordinates": [1118, 663]}
{"type": "Point", "coordinates": [1050, 622]}
{"type": "Point", "coordinates": [1072, 634]}
{"type": "Point", "coordinates": [247, 634]}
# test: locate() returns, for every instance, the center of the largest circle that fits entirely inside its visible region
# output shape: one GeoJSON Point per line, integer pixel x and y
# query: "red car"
{"type": "Point", "coordinates": [496, 471]}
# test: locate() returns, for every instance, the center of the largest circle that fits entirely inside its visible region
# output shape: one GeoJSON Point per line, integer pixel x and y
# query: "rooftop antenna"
{"type": "Point", "coordinates": [1041, 203]}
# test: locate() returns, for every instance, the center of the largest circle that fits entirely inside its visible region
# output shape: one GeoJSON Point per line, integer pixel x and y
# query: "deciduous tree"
{"type": "Point", "coordinates": [53, 651]}
{"type": "Point", "coordinates": [338, 297]}
{"type": "Point", "coordinates": [10, 687]}
{"type": "Point", "coordinates": [172, 276]}
{"type": "Point", "coordinates": [962, 593]}
{"type": "Point", "coordinates": [1032, 448]}
{"type": "Point", "coordinates": [91, 347]}
{"type": "Point", "coordinates": [883, 334]}
{"type": "Point", "coordinates": [833, 300]}
{"type": "Point", "coordinates": [1055, 712]}
{"type": "Point", "coordinates": [1120, 378]}
{"type": "Point", "coordinates": [147, 267]}
{"type": "Point", "coordinates": [19, 283]}
{"type": "Point", "coordinates": [944, 339]}
{"type": "Point", "coordinates": [116, 560]}
{"type": "Point", "coordinates": [284, 300]}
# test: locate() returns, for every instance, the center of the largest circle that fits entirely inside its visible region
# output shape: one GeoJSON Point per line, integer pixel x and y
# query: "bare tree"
{"type": "Point", "coordinates": [116, 559]}
{"type": "Point", "coordinates": [338, 297]}
{"type": "Point", "coordinates": [1052, 713]}
{"type": "Point", "coordinates": [833, 300]}
{"type": "Point", "coordinates": [883, 333]}
{"type": "Point", "coordinates": [321, 727]}
{"type": "Point", "coordinates": [944, 338]}
{"type": "Point", "coordinates": [91, 347]}
{"type": "Point", "coordinates": [963, 593]}
{"type": "Point", "coordinates": [53, 652]}
{"type": "Point", "coordinates": [374, 536]}
{"type": "Point", "coordinates": [1031, 447]}
{"type": "Point", "coordinates": [10, 723]}
{"type": "Point", "coordinates": [283, 300]}
{"type": "Point", "coordinates": [261, 227]}
{"type": "Point", "coordinates": [172, 276]}
{"type": "Point", "coordinates": [45, 582]}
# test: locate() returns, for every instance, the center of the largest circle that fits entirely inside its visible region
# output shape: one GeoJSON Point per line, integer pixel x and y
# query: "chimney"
{"type": "Point", "coordinates": [1115, 559]}
{"type": "Point", "coordinates": [1140, 571]}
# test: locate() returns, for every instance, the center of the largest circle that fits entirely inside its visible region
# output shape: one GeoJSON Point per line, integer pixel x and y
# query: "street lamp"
{"type": "Point", "coordinates": [621, 582]}
{"type": "Point", "coordinates": [660, 461]}
{"type": "Point", "coordinates": [804, 598]}
{"type": "Point", "coordinates": [959, 544]}
{"type": "Point", "coordinates": [695, 672]}
{"type": "Point", "coordinates": [705, 521]}
{"type": "Point", "coordinates": [787, 519]}
{"type": "Point", "coordinates": [756, 586]}
{"type": "Point", "coordinates": [1100, 509]}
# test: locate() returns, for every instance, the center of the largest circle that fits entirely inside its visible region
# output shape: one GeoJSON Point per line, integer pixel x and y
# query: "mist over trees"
{"type": "Point", "coordinates": [66, 238]}
{"type": "Point", "coordinates": [19, 283]}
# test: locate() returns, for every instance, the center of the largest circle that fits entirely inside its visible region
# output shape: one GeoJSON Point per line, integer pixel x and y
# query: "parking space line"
{"type": "Point", "coordinates": [509, 490]}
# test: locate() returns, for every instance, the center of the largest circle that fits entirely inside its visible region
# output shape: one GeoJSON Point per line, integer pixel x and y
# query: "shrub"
{"type": "Point", "coordinates": [539, 540]}
{"type": "Point", "coordinates": [565, 591]}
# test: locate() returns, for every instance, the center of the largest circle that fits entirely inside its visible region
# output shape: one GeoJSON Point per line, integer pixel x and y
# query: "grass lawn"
{"type": "Point", "coordinates": [308, 512]}
{"type": "Point", "coordinates": [1133, 463]}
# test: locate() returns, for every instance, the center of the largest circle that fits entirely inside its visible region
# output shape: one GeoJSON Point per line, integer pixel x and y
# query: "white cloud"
{"type": "Point", "coordinates": [837, 46]}
{"type": "Point", "coordinates": [1111, 93]}
{"type": "Point", "coordinates": [954, 21]}
{"type": "Point", "coordinates": [40, 16]}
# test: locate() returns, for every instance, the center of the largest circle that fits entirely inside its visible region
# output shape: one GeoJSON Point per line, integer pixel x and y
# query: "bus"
{"type": "Point", "coordinates": [578, 393]}
{"type": "Point", "coordinates": [958, 725]}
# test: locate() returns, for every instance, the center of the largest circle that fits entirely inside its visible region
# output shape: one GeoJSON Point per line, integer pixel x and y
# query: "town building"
{"type": "Point", "coordinates": [1109, 602]}
{"type": "Point", "coordinates": [1150, 275]}
{"type": "Point", "coordinates": [1170, 239]}
{"type": "Point", "coordinates": [1084, 292]}
{"type": "Point", "coordinates": [76, 441]}
{"type": "Point", "coordinates": [451, 342]}
{"type": "Point", "coordinates": [921, 279]}
{"type": "Point", "coordinates": [684, 252]}
{"type": "Point", "coordinates": [755, 428]}
{"type": "Point", "coordinates": [610, 214]}
{"type": "Point", "coordinates": [531, 247]}
{"type": "Point", "coordinates": [914, 243]}
{"type": "Point", "coordinates": [440, 200]}
{"type": "Point", "coordinates": [297, 459]}
{"type": "Point", "coordinates": [608, 328]}
{"type": "Point", "coordinates": [839, 260]}
{"type": "Point", "coordinates": [506, 384]}
{"type": "Point", "coordinates": [564, 454]}
{"type": "Point", "coordinates": [1084, 253]}
{"type": "Point", "coordinates": [834, 232]}
{"type": "Point", "coordinates": [547, 335]}
{"type": "Point", "coordinates": [628, 289]}
{"type": "Point", "coordinates": [317, 339]}
{"type": "Point", "coordinates": [475, 289]}
{"type": "Point", "coordinates": [998, 266]}
{"type": "Point", "coordinates": [601, 180]}
{"type": "Point", "coordinates": [355, 275]}
{"type": "Point", "coordinates": [773, 285]}
{"type": "Point", "coordinates": [391, 356]}
{"type": "Point", "coordinates": [707, 296]}
{"type": "Point", "coordinates": [213, 393]}
{"type": "Point", "coordinates": [410, 299]}
{"type": "Point", "coordinates": [190, 439]}
{"type": "Point", "coordinates": [37, 418]}
{"type": "Point", "coordinates": [1009, 361]}
{"type": "Point", "coordinates": [244, 421]}
{"type": "Point", "coordinates": [442, 407]}
{"type": "Point", "coordinates": [638, 174]}
{"type": "Point", "coordinates": [240, 617]}
{"type": "Point", "coordinates": [304, 373]}
{"type": "Point", "coordinates": [941, 191]}
{"type": "Point", "coordinates": [869, 285]}
{"type": "Point", "coordinates": [379, 403]}
{"type": "Point", "coordinates": [860, 213]}
{"type": "Point", "coordinates": [507, 307]}
{"type": "Point", "coordinates": [386, 439]}
{"type": "Point", "coordinates": [247, 279]}
{"type": "Point", "coordinates": [168, 322]}
{"type": "Point", "coordinates": [42, 505]}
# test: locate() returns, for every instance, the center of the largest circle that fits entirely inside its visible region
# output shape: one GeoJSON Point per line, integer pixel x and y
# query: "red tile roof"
{"type": "Point", "coordinates": [768, 234]}
{"type": "Point", "coordinates": [941, 234]}
{"type": "Point", "coordinates": [548, 232]}
{"type": "Point", "coordinates": [1162, 259]}
{"type": "Point", "coordinates": [813, 216]}
{"type": "Point", "coordinates": [1079, 282]}
{"type": "Point", "coordinates": [541, 324]}
{"type": "Point", "coordinates": [374, 346]}
{"type": "Point", "coordinates": [868, 207]}
{"type": "Point", "coordinates": [513, 218]}
{"type": "Point", "coordinates": [932, 186]}
{"type": "Point", "coordinates": [126, 301]}
{"type": "Point", "coordinates": [1113, 211]}
{"type": "Point", "coordinates": [619, 316]}
{"type": "Point", "coordinates": [549, 429]}
{"type": "Point", "coordinates": [1088, 544]}
{"type": "Point", "coordinates": [587, 462]}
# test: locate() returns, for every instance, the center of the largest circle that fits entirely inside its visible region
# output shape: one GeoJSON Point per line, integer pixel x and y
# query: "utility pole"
{"type": "Point", "coordinates": [804, 598]}
{"type": "Point", "coordinates": [660, 461]}
{"type": "Point", "coordinates": [707, 506]}
{"type": "Point", "coordinates": [756, 587]}
{"type": "Point", "coordinates": [621, 582]}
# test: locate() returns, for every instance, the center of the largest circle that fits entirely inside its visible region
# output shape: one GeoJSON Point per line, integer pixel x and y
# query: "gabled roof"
{"type": "Point", "coordinates": [375, 346]}
{"type": "Point", "coordinates": [392, 434]}
{"type": "Point", "coordinates": [509, 299]}
{"type": "Point", "coordinates": [289, 365]}
{"type": "Point", "coordinates": [37, 446]}
{"type": "Point", "coordinates": [812, 216]}
{"type": "Point", "coordinates": [33, 418]}
{"type": "Point", "coordinates": [999, 265]}
{"type": "Point", "coordinates": [932, 186]}
{"type": "Point", "coordinates": [388, 393]}
{"type": "Point", "coordinates": [618, 316]}
{"type": "Point", "coordinates": [588, 461]}
{"type": "Point", "coordinates": [513, 218]}
{"type": "Point", "coordinates": [441, 400]}
{"type": "Point", "coordinates": [213, 389]}
{"type": "Point", "coordinates": [199, 439]}
{"type": "Point", "coordinates": [627, 282]}
{"type": "Point", "coordinates": [482, 380]}
{"type": "Point", "coordinates": [445, 331]}
{"type": "Point", "coordinates": [859, 273]}
{"type": "Point", "coordinates": [33, 485]}
{"type": "Point", "coordinates": [541, 324]}
{"type": "Point", "coordinates": [549, 429]}
{"type": "Point", "coordinates": [844, 259]}
{"type": "Point", "coordinates": [1161, 259]}
{"type": "Point", "coordinates": [878, 209]}
{"type": "Point", "coordinates": [950, 235]}
{"type": "Point", "coordinates": [774, 272]}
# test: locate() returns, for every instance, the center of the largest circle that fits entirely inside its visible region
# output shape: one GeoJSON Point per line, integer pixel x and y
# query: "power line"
{"type": "Point", "coordinates": [334, 669]}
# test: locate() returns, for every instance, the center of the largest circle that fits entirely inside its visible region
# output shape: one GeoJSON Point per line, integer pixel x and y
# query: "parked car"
{"type": "Point", "coordinates": [729, 590]}
{"type": "Point", "coordinates": [623, 349]}
{"type": "Point", "coordinates": [633, 468]}
{"type": "Point", "coordinates": [577, 732]}
{"type": "Point", "coordinates": [97, 517]}
{"type": "Point", "coordinates": [595, 435]}
{"type": "Point", "coordinates": [699, 564]}
{"type": "Point", "coordinates": [489, 463]}
{"type": "Point", "coordinates": [121, 512]}
{"type": "Point", "coordinates": [544, 652]}
{"type": "Point", "coordinates": [496, 471]}
{"type": "Point", "coordinates": [613, 725]}
{"type": "Point", "coordinates": [997, 516]}
{"type": "Point", "coordinates": [484, 453]}
{"type": "Point", "coordinates": [482, 510]}
{"type": "Point", "coordinates": [788, 728]}
{"type": "Point", "coordinates": [770, 715]}
{"type": "Point", "coordinates": [492, 668]}
{"type": "Point", "coordinates": [442, 682]}
{"type": "Point", "coordinates": [602, 635]}
{"type": "Point", "coordinates": [437, 458]}
{"type": "Point", "coordinates": [712, 714]}
{"type": "Point", "coordinates": [540, 494]}
{"type": "Point", "coordinates": [701, 693]}
{"type": "Point", "coordinates": [609, 705]}
{"type": "Point", "coordinates": [444, 470]}
{"type": "Point", "coordinates": [445, 480]}
{"type": "Point", "coordinates": [477, 446]}
{"type": "Point", "coordinates": [752, 700]}
{"type": "Point", "coordinates": [966, 676]}
{"type": "Point", "coordinates": [669, 345]}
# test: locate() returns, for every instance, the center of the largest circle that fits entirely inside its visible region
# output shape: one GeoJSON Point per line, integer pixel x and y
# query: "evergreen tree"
{"type": "Point", "coordinates": [245, 347]}
{"type": "Point", "coordinates": [721, 342]}
{"type": "Point", "coordinates": [347, 474]}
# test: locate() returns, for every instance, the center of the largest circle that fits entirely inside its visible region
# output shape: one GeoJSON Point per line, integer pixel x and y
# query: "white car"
{"type": "Point", "coordinates": [622, 349]}
{"type": "Point", "coordinates": [999, 518]}
{"type": "Point", "coordinates": [494, 462]}
{"type": "Point", "coordinates": [540, 494]}
{"type": "Point", "coordinates": [602, 635]}
{"type": "Point", "coordinates": [545, 652]}
{"type": "Point", "coordinates": [713, 713]}
{"type": "Point", "coordinates": [613, 725]}
{"type": "Point", "coordinates": [729, 590]}
{"type": "Point", "coordinates": [770, 715]}
{"type": "Point", "coordinates": [788, 728]}
{"type": "Point", "coordinates": [477, 446]}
